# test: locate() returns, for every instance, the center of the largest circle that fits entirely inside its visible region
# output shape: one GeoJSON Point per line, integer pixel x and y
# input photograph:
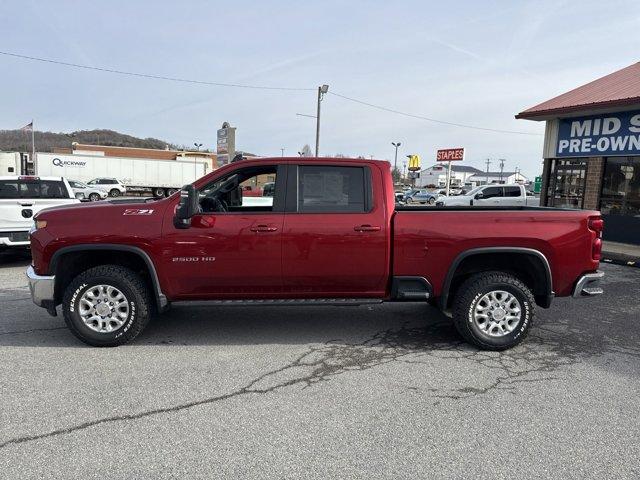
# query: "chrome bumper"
{"type": "Point", "coordinates": [587, 285]}
{"type": "Point", "coordinates": [42, 288]}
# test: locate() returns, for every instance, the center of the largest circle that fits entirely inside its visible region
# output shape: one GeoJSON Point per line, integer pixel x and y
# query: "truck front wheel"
{"type": "Point", "coordinates": [106, 306]}
{"type": "Point", "coordinates": [493, 310]}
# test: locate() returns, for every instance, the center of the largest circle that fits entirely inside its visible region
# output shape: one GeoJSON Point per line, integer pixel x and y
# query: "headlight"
{"type": "Point", "coordinates": [37, 224]}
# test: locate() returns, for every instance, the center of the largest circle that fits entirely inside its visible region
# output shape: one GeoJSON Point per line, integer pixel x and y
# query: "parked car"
{"type": "Point", "coordinates": [492, 195]}
{"type": "Point", "coordinates": [21, 197]}
{"type": "Point", "coordinates": [110, 185]}
{"type": "Point", "coordinates": [82, 191]}
{"type": "Point", "coordinates": [421, 197]}
{"type": "Point", "coordinates": [332, 235]}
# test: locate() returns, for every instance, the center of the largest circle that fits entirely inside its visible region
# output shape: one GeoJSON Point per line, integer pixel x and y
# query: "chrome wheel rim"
{"type": "Point", "coordinates": [497, 313]}
{"type": "Point", "coordinates": [103, 308]}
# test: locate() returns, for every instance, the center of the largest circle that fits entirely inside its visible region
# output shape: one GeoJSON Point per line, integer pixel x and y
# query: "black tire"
{"type": "Point", "coordinates": [170, 191]}
{"type": "Point", "coordinates": [158, 192]}
{"type": "Point", "coordinates": [470, 294]}
{"type": "Point", "coordinates": [129, 283]}
{"type": "Point", "coordinates": [432, 201]}
{"type": "Point", "coordinates": [114, 192]}
{"type": "Point", "coordinates": [94, 197]}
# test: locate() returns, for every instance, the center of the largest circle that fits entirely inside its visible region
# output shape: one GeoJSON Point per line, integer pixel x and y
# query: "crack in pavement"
{"type": "Point", "coordinates": [544, 352]}
{"type": "Point", "coordinates": [17, 332]}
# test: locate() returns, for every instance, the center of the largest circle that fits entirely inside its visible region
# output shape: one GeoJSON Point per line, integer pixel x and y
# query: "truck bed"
{"type": "Point", "coordinates": [428, 240]}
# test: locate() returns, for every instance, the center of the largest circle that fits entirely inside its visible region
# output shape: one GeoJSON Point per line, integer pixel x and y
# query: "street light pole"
{"type": "Point", "coordinates": [282, 150]}
{"type": "Point", "coordinates": [321, 91]}
{"type": "Point", "coordinates": [395, 161]}
{"type": "Point", "coordinates": [195, 165]}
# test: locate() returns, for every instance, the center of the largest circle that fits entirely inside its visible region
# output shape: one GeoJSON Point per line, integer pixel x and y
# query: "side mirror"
{"type": "Point", "coordinates": [187, 207]}
{"type": "Point", "coordinates": [479, 195]}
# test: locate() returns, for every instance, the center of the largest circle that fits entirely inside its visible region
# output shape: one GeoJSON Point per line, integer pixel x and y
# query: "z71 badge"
{"type": "Point", "coordinates": [138, 211]}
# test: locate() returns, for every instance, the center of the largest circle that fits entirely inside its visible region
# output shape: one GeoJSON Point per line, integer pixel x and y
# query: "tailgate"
{"type": "Point", "coordinates": [17, 214]}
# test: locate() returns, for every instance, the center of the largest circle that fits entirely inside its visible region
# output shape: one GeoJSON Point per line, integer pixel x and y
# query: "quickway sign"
{"type": "Point", "coordinates": [599, 135]}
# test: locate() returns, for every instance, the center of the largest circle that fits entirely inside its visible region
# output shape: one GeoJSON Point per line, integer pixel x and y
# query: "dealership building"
{"type": "Point", "coordinates": [592, 151]}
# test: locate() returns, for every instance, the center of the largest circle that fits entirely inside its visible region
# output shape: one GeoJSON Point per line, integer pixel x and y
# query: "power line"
{"type": "Point", "coordinates": [147, 75]}
{"type": "Point", "coordinates": [256, 87]}
{"type": "Point", "coordinates": [420, 117]}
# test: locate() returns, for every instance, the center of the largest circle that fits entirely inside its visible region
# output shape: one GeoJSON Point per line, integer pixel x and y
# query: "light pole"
{"type": "Point", "coordinates": [395, 160]}
{"type": "Point", "coordinates": [321, 91]}
{"type": "Point", "coordinates": [195, 165]}
{"type": "Point", "coordinates": [282, 151]}
{"type": "Point", "coordinates": [502, 160]}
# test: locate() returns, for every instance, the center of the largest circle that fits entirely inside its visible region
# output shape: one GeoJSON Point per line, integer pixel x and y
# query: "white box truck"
{"type": "Point", "coordinates": [161, 177]}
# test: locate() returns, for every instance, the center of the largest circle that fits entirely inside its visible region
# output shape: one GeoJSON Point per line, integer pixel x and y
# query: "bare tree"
{"type": "Point", "coordinates": [306, 151]}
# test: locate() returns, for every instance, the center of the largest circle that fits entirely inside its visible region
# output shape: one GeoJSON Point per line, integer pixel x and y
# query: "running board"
{"type": "Point", "coordinates": [278, 302]}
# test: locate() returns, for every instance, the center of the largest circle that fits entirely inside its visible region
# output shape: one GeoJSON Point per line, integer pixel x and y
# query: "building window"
{"type": "Point", "coordinates": [567, 183]}
{"type": "Point", "coordinates": [621, 186]}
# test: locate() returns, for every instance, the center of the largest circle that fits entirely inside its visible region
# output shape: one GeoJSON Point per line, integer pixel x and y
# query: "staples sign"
{"type": "Point", "coordinates": [450, 154]}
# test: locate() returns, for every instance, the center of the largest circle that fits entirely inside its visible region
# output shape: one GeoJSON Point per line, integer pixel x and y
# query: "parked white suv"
{"type": "Point", "coordinates": [492, 195]}
{"type": "Point", "coordinates": [82, 191]}
{"type": "Point", "coordinates": [110, 185]}
{"type": "Point", "coordinates": [21, 198]}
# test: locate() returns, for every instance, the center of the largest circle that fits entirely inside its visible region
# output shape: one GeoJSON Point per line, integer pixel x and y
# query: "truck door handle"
{"type": "Point", "coordinates": [263, 228]}
{"type": "Point", "coordinates": [367, 228]}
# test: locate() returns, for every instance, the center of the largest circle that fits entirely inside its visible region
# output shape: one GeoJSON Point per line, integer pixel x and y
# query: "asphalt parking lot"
{"type": "Point", "coordinates": [324, 392]}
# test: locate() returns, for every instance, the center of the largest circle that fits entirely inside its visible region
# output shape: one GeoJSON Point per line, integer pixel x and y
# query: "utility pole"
{"type": "Point", "coordinates": [282, 151]}
{"type": "Point", "coordinates": [321, 91]}
{"type": "Point", "coordinates": [502, 160]}
{"type": "Point", "coordinates": [488, 162]}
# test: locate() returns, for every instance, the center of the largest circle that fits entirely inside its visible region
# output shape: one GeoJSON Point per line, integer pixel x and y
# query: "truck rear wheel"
{"type": "Point", "coordinates": [158, 192]}
{"type": "Point", "coordinates": [493, 310]}
{"type": "Point", "coordinates": [106, 306]}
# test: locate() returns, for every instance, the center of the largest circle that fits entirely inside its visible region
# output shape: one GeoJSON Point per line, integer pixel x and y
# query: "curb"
{"type": "Point", "coordinates": [618, 260]}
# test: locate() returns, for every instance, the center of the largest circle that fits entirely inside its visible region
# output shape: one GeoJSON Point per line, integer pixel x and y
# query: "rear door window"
{"type": "Point", "coordinates": [511, 191]}
{"type": "Point", "coordinates": [331, 189]}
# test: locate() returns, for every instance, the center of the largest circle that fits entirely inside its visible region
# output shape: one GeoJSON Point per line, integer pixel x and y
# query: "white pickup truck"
{"type": "Point", "coordinates": [514, 195]}
{"type": "Point", "coordinates": [21, 198]}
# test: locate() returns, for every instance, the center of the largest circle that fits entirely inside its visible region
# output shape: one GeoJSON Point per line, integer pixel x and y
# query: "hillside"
{"type": "Point", "coordinates": [17, 140]}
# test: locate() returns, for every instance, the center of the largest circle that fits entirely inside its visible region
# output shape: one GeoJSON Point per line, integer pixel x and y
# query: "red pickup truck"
{"type": "Point", "coordinates": [331, 234]}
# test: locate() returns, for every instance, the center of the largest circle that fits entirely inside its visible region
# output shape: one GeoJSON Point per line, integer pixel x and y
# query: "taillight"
{"type": "Point", "coordinates": [596, 224]}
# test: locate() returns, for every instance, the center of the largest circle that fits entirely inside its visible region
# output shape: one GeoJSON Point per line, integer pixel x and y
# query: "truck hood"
{"type": "Point", "coordinates": [97, 209]}
{"type": "Point", "coordinates": [456, 200]}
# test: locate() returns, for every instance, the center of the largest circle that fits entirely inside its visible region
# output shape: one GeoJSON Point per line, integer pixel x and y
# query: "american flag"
{"type": "Point", "coordinates": [28, 128]}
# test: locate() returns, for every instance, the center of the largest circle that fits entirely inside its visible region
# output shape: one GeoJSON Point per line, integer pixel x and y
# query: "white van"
{"type": "Point", "coordinates": [21, 198]}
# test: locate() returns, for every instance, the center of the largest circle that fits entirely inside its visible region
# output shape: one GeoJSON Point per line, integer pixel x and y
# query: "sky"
{"type": "Point", "coordinates": [476, 63]}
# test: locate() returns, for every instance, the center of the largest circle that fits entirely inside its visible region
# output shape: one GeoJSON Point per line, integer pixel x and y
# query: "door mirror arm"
{"type": "Point", "coordinates": [187, 207]}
